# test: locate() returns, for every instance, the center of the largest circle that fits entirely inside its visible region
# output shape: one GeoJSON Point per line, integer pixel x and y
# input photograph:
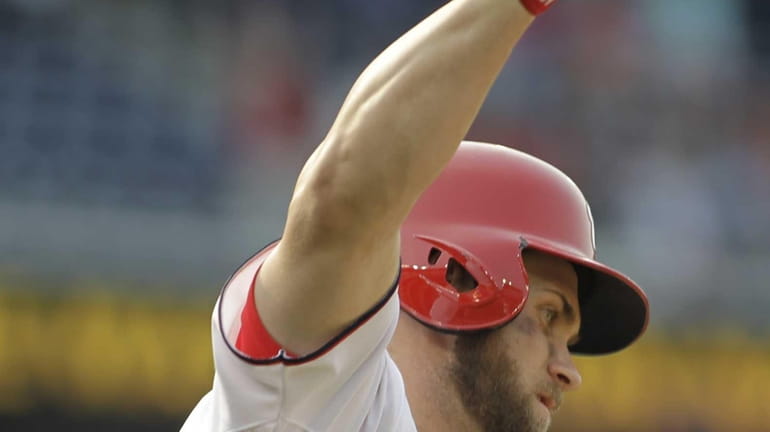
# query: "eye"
{"type": "Point", "coordinates": [549, 315]}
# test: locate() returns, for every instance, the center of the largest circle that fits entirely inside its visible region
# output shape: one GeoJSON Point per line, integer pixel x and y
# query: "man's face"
{"type": "Point", "coordinates": [512, 379]}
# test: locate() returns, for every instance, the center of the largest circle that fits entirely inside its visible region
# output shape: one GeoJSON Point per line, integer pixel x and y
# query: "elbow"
{"type": "Point", "coordinates": [323, 215]}
{"type": "Point", "coordinates": [326, 204]}
{"type": "Point", "coordinates": [343, 191]}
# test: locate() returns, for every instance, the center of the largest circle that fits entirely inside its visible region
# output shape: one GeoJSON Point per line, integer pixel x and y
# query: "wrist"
{"type": "Point", "coordinates": [536, 7]}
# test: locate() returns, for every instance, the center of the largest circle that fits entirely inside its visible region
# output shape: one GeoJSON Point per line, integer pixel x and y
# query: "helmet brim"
{"type": "Point", "coordinates": [614, 310]}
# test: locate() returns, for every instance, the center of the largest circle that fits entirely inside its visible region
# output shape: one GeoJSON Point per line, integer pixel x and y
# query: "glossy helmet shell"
{"type": "Point", "coordinates": [488, 205]}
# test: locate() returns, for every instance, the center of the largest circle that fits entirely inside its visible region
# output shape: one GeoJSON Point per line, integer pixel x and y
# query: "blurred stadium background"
{"type": "Point", "coordinates": [149, 146]}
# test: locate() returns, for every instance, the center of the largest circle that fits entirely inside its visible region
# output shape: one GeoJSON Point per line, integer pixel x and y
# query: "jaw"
{"type": "Point", "coordinates": [423, 356]}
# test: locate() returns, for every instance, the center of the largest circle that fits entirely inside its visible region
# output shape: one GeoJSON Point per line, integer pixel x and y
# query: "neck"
{"type": "Point", "coordinates": [423, 356]}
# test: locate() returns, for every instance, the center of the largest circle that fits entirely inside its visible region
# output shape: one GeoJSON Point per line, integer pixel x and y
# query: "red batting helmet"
{"type": "Point", "coordinates": [486, 207]}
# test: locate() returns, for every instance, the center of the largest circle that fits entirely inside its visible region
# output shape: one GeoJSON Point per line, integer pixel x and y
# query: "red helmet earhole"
{"type": "Point", "coordinates": [459, 277]}
{"type": "Point", "coordinates": [433, 256]}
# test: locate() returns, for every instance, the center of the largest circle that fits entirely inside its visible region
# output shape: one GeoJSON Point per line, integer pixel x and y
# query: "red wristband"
{"type": "Point", "coordinates": [536, 7]}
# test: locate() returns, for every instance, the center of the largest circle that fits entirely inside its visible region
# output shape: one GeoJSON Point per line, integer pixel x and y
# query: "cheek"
{"type": "Point", "coordinates": [531, 342]}
{"type": "Point", "coordinates": [527, 326]}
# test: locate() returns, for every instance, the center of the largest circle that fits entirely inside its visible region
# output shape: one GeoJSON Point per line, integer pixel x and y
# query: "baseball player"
{"type": "Point", "coordinates": [420, 283]}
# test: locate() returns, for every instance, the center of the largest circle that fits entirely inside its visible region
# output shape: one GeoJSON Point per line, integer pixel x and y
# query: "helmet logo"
{"type": "Point", "coordinates": [593, 231]}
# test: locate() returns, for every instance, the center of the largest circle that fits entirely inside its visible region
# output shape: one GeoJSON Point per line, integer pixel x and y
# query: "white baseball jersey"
{"type": "Point", "coordinates": [350, 384]}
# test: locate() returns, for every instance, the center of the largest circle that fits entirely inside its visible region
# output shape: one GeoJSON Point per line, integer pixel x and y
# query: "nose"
{"type": "Point", "coordinates": [563, 370]}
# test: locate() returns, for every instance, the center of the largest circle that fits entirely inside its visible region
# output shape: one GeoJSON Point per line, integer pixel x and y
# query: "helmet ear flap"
{"type": "Point", "coordinates": [449, 288]}
{"type": "Point", "coordinates": [460, 264]}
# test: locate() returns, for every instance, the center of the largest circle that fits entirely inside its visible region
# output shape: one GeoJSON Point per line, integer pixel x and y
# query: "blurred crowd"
{"type": "Point", "coordinates": [659, 110]}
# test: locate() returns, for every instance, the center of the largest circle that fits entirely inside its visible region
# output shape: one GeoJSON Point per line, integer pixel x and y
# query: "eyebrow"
{"type": "Point", "coordinates": [569, 312]}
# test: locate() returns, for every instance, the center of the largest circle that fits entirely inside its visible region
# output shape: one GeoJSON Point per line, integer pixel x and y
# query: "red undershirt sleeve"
{"type": "Point", "coordinates": [253, 339]}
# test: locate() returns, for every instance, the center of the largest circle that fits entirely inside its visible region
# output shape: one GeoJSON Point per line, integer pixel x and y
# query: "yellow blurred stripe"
{"type": "Point", "coordinates": [103, 352]}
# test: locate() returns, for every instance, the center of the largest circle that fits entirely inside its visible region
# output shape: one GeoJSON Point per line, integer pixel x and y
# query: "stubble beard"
{"type": "Point", "coordinates": [488, 384]}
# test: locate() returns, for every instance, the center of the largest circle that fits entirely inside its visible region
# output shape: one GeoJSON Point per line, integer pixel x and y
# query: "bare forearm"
{"type": "Point", "coordinates": [409, 110]}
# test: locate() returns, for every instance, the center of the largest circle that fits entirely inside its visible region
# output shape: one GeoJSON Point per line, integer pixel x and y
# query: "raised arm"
{"type": "Point", "coordinates": [400, 124]}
